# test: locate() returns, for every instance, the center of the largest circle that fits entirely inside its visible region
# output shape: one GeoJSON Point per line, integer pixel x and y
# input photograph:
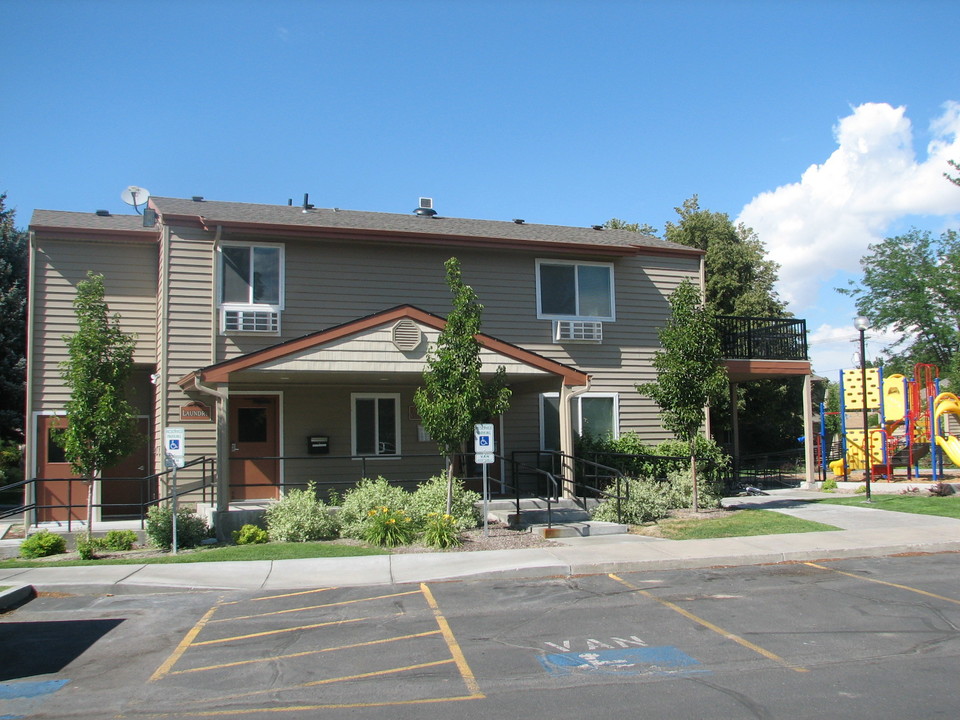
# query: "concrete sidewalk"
{"type": "Point", "coordinates": [865, 532]}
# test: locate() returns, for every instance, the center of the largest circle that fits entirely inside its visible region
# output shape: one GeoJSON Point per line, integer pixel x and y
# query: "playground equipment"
{"type": "Point", "coordinates": [914, 418]}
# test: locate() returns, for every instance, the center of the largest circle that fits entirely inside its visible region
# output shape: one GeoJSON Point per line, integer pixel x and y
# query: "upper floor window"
{"type": "Point", "coordinates": [251, 287]}
{"type": "Point", "coordinates": [568, 290]}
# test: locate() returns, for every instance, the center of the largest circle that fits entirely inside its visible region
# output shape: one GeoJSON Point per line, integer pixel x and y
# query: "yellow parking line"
{"type": "Point", "coordinates": [888, 584]}
{"type": "Point", "coordinates": [305, 653]}
{"type": "Point", "coordinates": [279, 632]}
{"type": "Point", "coordinates": [316, 607]}
{"type": "Point", "coordinates": [452, 644]}
{"type": "Point", "coordinates": [328, 681]}
{"type": "Point", "coordinates": [164, 669]}
{"type": "Point", "coordinates": [277, 597]}
{"type": "Point", "coordinates": [297, 708]}
{"type": "Point", "coordinates": [710, 626]}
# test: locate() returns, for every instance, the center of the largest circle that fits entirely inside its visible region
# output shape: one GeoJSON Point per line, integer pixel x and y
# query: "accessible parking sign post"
{"type": "Point", "coordinates": [483, 448]}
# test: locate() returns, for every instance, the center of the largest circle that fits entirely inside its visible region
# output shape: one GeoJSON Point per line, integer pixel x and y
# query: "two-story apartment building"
{"type": "Point", "coordinates": [287, 341]}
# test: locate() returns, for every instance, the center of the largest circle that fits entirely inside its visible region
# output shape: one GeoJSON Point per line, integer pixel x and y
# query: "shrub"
{"type": "Point", "coordinates": [250, 535]}
{"type": "Point", "coordinates": [41, 544]}
{"type": "Point", "coordinates": [300, 517]}
{"type": "Point", "coordinates": [87, 549]}
{"type": "Point", "coordinates": [365, 496]}
{"type": "Point", "coordinates": [430, 498]}
{"type": "Point", "coordinates": [388, 527]}
{"type": "Point", "coordinates": [119, 540]}
{"type": "Point", "coordinates": [648, 500]}
{"type": "Point", "coordinates": [829, 485]}
{"type": "Point", "coordinates": [191, 529]}
{"type": "Point", "coordinates": [861, 489]}
{"type": "Point", "coordinates": [679, 490]}
{"type": "Point", "coordinates": [441, 531]}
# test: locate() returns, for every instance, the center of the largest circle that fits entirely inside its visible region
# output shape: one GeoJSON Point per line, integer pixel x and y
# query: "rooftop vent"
{"type": "Point", "coordinates": [103, 213]}
{"type": "Point", "coordinates": [407, 335]}
{"type": "Point", "coordinates": [306, 202]}
{"type": "Point", "coordinates": [597, 227]}
{"type": "Point", "coordinates": [197, 198]}
{"type": "Point", "coordinates": [425, 209]}
{"type": "Point", "coordinates": [518, 221]}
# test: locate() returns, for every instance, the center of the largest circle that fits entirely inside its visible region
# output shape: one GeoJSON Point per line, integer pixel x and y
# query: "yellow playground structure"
{"type": "Point", "coordinates": [914, 419]}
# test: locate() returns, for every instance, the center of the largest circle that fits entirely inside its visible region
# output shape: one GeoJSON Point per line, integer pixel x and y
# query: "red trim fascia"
{"type": "Point", "coordinates": [220, 372]}
{"type": "Point", "coordinates": [742, 370]}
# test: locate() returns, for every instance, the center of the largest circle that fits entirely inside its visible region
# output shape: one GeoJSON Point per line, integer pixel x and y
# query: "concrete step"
{"type": "Point", "coordinates": [580, 529]}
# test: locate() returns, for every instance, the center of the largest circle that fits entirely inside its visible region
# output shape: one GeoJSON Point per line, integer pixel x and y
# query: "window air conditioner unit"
{"type": "Point", "coordinates": [578, 331]}
{"type": "Point", "coordinates": [255, 321]}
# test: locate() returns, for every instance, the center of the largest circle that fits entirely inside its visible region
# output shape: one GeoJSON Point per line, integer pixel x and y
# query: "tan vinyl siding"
{"type": "Point", "coordinates": [190, 333]}
{"type": "Point", "coordinates": [129, 271]}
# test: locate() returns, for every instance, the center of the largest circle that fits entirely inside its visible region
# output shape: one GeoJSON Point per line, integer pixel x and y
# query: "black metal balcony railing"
{"type": "Point", "coordinates": [751, 338]}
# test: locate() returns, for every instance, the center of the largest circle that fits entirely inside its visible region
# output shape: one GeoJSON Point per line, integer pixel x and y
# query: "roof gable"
{"type": "Point", "coordinates": [309, 351]}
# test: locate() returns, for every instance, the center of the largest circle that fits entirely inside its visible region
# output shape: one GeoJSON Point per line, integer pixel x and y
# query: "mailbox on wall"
{"type": "Point", "coordinates": [318, 444]}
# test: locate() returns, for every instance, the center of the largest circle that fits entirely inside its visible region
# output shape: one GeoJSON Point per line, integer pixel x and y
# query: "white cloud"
{"type": "Point", "coordinates": [834, 348]}
{"type": "Point", "coordinates": [823, 223]}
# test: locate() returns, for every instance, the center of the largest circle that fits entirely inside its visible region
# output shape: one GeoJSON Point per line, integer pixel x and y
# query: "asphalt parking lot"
{"type": "Point", "coordinates": [865, 638]}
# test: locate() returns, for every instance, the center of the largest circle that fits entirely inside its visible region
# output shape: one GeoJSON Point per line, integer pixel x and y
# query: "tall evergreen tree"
{"type": "Point", "coordinates": [13, 323]}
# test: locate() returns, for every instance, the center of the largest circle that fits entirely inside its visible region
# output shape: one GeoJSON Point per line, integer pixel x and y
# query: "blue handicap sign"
{"type": "Point", "coordinates": [484, 441]}
{"type": "Point", "coordinates": [174, 444]}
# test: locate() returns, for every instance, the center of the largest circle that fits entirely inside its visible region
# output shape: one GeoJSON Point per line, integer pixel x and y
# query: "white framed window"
{"type": "Point", "coordinates": [250, 287]}
{"type": "Point", "coordinates": [575, 291]}
{"type": "Point", "coordinates": [375, 424]}
{"type": "Point", "coordinates": [596, 414]}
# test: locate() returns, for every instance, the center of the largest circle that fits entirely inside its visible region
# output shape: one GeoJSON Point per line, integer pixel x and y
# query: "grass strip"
{"type": "Point", "coordinates": [738, 524]}
{"type": "Point", "coordinates": [948, 506]}
{"type": "Point", "coordinates": [229, 553]}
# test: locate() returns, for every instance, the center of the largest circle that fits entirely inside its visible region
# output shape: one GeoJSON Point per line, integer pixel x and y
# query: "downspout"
{"type": "Point", "coordinates": [213, 296]}
{"type": "Point", "coordinates": [567, 449]}
{"type": "Point", "coordinates": [708, 431]}
{"type": "Point", "coordinates": [222, 409]}
{"type": "Point", "coordinates": [30, 426]}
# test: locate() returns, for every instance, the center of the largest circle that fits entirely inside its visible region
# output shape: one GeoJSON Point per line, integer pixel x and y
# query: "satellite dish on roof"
{"type": "Point", "coordinates": [135, 195]}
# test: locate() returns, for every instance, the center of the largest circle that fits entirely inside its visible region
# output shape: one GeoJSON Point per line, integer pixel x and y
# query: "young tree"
{"type": "Point", "coordinates": [690, 373]}
{"type": "Point", "coordinates": [101, 423]}
{"type": "Point", "coordinates": [454, 396]}
{"type": "Point", "coordinates": [13, 318]}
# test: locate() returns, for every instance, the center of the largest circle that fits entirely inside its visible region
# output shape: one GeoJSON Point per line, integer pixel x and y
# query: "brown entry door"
{"type": "Point", "coordinates": [254, 445]}
{"type": "Point", "coordinates": [124, 488]}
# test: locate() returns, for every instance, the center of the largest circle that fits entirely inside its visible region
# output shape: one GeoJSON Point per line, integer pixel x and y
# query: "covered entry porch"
{"type": "Point", "coordinates": [338, 405]}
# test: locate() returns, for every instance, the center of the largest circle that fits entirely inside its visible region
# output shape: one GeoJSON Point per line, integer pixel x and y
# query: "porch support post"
{"type": "Point", "coordinates": [808, 429]}
{"type": "Point", "coordinates": [735, 428]}
{"type": "Point", "coordinates": [567, 446]}
{"type": "Point", "coordinates": [223, 449]}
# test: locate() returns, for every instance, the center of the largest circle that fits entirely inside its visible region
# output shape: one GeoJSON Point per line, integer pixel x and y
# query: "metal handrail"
{"type": "Point", "coordinates": [143, 505]}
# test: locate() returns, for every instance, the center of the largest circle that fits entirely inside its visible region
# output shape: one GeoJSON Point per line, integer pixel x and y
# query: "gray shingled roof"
{"type": "Point", "coordinates": [87, 221]}
{"type": "Point", "coordinates": [214, 212]}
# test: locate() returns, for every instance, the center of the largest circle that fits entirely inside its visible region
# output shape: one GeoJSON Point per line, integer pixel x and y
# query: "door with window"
{"type": "Point", "coordinates": [254, 447]}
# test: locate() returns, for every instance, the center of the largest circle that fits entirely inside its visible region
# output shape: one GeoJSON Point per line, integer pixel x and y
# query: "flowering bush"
{"type": "Point", "coordinates": [365, 496]}
{"type": "Point", "coordinates": [431, 497]}
{"type": "Point", "coordinates": [388, 527]}
{"type": "Point", "coordinates": [441, 531]}
{"type": "Point", "coordinates": [300, 517]}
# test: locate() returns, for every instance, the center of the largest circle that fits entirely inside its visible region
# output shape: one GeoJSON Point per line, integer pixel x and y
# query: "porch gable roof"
{"type": "Point", "coordinates": [220, 372]}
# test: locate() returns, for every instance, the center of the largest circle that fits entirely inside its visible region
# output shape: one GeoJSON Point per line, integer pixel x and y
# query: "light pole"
{"type": "Point", "coordinates": [862, 324]}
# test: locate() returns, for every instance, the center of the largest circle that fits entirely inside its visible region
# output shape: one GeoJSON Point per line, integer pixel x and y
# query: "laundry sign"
{"type": "Point", "coordinates": [195, 412]}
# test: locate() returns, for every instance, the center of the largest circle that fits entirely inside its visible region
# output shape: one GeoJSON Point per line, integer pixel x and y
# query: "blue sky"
{"type": "Point", "coordinates": [823, 125]}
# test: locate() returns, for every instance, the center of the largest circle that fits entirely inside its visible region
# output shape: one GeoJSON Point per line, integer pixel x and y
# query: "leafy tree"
{"type": "Point", "coordinates": [690, 373]}
{"type": "Point", "coordinates": [956, 166]}
{"type": "Point", "coordinates": [13, 318]}
{"type": "Point", "coordinates": [643, 229]}
{"type": "Point", "coordinates": [101, 423]}
{"type": "Point", "coordinates": [454, 396]}
{"type": "Point", "coordinates": [911, 285]}
{"type": "Point", "coordinates": [740, 280]}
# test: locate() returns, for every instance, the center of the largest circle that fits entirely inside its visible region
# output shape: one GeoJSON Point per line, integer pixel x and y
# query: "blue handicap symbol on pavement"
{"type": "Point", "coordinates": [627, 661]}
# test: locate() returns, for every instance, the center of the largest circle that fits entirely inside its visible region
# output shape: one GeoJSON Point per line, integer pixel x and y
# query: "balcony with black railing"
{"type": "Point", "coordinates": [751, 338]}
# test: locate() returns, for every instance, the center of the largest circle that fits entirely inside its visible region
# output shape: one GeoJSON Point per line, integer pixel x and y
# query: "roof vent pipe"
{"type": "Point", "coordinates": [306, 202]}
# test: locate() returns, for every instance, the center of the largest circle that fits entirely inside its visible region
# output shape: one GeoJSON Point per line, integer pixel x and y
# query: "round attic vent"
{"type": "Point", "coordinates": [406, 335]}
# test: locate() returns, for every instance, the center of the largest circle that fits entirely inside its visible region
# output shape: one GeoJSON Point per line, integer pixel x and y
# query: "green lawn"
{"type": "Point", "coordinates": [227, 553]}
{"type": "Point", "coordinates": [739, 524]}
{"type": "Point", "coordinates": [948, 506]}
